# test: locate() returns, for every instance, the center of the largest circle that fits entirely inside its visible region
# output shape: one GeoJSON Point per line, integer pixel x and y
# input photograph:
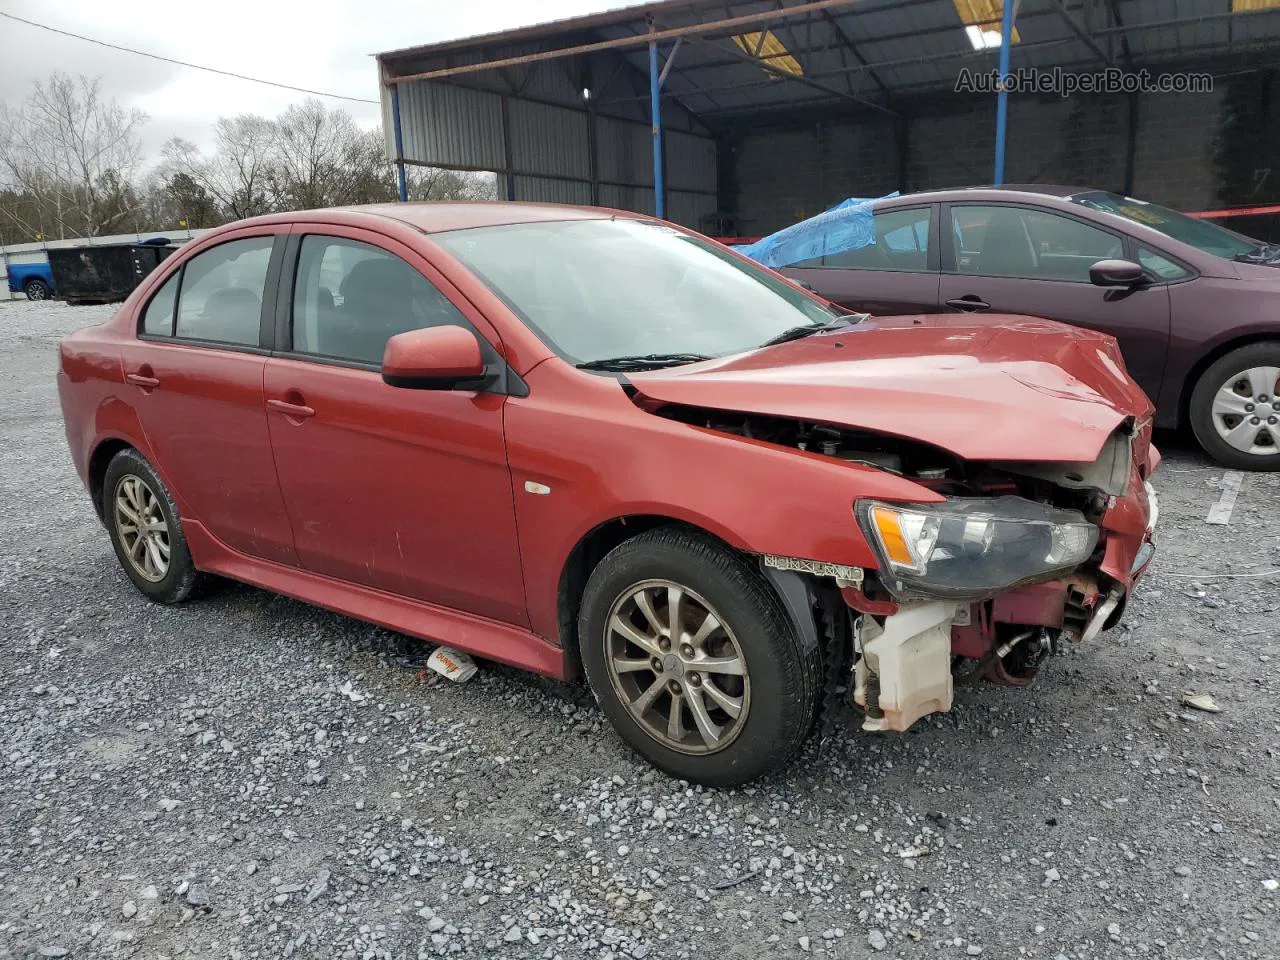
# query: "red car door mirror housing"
{"type": "Point", "coordinates": [434, 358]}
{"type": "Point", "coordinates": [1115, 273]}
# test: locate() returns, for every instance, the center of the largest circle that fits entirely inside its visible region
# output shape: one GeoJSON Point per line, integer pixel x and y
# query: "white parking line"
{"type": "Point", "coordinates": [1220, 512]}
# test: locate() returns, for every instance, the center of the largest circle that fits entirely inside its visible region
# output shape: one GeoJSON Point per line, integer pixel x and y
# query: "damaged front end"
{"type": "Point", "coordinates": [1016, 560]}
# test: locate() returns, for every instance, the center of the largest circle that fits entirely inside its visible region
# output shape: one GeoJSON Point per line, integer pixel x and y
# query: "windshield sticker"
{"type": "Point", "coordinates": [1141, 215]}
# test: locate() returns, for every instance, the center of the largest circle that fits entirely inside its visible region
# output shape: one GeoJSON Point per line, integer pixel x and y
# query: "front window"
{"type": "Point", "coordinates": [1010, 241]}
{"type": "Point", "coordinates": [350, 298]}
{"type": "Point", "coordinates": [1201, 234]}
{"type": "Point", "coordinates": [598, 289]}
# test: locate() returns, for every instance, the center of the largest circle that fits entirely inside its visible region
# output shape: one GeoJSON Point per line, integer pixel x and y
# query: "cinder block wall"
{"type": "Point", "coordinates": [1191, 151]}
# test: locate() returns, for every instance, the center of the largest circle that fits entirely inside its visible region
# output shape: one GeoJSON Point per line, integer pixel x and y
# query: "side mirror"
{"type": "Point", "coordinates": [434, 358]}
{"type": "Point", "coordinates": [1115, 273]}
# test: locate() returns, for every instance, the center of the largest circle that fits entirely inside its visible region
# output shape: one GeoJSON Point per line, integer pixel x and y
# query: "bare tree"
{"type": "Point", "coordinates": [432, 183]}
{"type": "Point", "coordinates": [74, 152]}
{"type": "Point", "coordinates": [238, 175]}
{"type": "Point", "coordinates": [309, 157]}
{"type": "Point", "coordinates": [313, 146]}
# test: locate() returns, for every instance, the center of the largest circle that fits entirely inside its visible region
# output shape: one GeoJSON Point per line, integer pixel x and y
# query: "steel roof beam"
{"type": "Point", "coordinates": [852, 47]}
{"type": "Point", "coordinates": [800, 78]}
{"type": "Point", "coordinates": [1083, 34]}
{"type": "Point", "coordinates": [727, 26]}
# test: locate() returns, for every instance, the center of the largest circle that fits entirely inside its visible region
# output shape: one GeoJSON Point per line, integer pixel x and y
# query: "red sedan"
{"type": "Point", "coordinates": [577, 440]}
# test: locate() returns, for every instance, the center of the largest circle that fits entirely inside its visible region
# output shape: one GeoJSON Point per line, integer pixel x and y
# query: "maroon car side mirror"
{"type": "Point", "coordinates": [1115, 273]}
{"type": "Point", "coordinates": [434, 358]}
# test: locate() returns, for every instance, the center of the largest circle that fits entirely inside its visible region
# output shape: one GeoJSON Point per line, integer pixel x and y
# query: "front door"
{"type": "Point", "coordinates": [1005, 258]}
{"type": "Point", "coordinates": [405, 490]}
{"type": "Point", "coordinates": [895, 274]}
{"type": "Point", "coordinates": [196, 375]}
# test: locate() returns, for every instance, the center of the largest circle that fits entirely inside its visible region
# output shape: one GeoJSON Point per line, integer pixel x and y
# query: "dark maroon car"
{"type": "Point", "coordinates": [1195, 307]}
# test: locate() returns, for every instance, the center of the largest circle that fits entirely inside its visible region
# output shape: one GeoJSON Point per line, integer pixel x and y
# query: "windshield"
{"type": "Point", "coordinates": [600, 289]}
{"type": "Point", "coordinates": [1201, 234]}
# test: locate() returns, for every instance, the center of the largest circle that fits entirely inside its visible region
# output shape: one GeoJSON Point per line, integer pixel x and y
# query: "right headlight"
{"type": "Point", "coordinates": [969, 548]}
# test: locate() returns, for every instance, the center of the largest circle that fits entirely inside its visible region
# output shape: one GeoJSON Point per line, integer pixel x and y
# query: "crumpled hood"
{"type": "Point", "coordinates": [996, 388]}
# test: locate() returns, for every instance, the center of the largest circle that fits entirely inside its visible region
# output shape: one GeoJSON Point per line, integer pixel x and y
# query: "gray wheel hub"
{"type": "Point", "coordinates": [677, 667]}
{"type": "Point", "coordinates": [1246, 411]}
{"type": "Point", "coordinates": [141, 527]}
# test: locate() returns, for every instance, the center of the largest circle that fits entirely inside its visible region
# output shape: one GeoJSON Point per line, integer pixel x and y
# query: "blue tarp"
{"type": "Point", "coordinates": [846, 226]}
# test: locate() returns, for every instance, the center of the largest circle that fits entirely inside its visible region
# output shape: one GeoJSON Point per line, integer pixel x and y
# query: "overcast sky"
{"type": "Point", "coordinates": [321, 44]}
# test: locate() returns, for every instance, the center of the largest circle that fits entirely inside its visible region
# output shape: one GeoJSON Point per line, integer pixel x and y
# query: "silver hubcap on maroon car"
{"type": "Point", "coordinates": [142, 529]}
{"type": "Point", "coordinates": [1246, 411]}
{"type": "Point", "coordinates": [677, 666]}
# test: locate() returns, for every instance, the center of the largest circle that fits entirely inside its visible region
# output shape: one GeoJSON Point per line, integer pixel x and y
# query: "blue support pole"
{"type": "Point", "coordinates": [655, 108]}
{"type": "Point", "coordinates": [401, 183]}
{"type": "Point", "coordinates": [1002, 98]}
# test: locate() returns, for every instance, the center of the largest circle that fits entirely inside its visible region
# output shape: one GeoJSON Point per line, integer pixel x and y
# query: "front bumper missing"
{"type": "Point", "coordinates": [904, 652]}
{"type": "Point", "coordinates": [904, 671]}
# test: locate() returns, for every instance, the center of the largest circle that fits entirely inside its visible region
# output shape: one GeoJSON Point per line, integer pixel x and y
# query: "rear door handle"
{"type": "Point", "coordinates": [970, 303]}
{"type": "Point", "coordinates": [299, 410]}
{"type": "Point", "coordinates": [142, 380]}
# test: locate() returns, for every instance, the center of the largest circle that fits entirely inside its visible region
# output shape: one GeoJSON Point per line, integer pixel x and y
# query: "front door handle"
{"type": "Point", "coordinates": [969, 303]}
{"type": "Point", "coordinates": [142, 380]}
{"type": "Point", "coordinates": [298, 410]}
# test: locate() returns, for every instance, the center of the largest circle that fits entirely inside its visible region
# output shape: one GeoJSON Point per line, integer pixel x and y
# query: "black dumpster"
{"type": "Point", "coordinates": [106, 273]}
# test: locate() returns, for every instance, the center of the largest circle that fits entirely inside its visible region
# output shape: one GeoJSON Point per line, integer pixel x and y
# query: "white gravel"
{"type": "Point", "coordinates": [199, 782]}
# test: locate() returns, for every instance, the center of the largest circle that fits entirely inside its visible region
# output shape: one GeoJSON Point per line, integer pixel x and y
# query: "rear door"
{"type": "Point", "coordinates": [897, 274]}
{"type": "Point", "coordinates": [195, 372]}
{"type": "Point", "coordinates": [1019, 258]}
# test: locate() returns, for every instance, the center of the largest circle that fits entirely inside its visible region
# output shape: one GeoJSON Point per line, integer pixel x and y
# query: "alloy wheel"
{"type": "Point", "coordinates": [142, 528]}
{"type": "Point", "coordinates": [1246, 411]}
{"type": "Point", "coordinates": [677, 667]}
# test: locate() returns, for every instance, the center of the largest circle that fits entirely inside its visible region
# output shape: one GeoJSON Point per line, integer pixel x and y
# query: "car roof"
{"type": "Point", "coordinates": [438, 216]}
{"type": "Point", "coordinates": [1049, 190]}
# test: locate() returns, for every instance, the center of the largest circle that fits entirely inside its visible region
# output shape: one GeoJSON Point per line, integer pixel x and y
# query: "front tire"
{"type": "Point", "coordinates": [145, 530]}
{"type": "Point", "coordinates": [36, 290]}
{"type": "Point", "coordinates": [1235, 408]}
{"type": "Point", "coordinates": [691, 656]}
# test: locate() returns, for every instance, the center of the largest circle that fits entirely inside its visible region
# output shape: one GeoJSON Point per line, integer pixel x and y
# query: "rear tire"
{"type": "Point", "coordinates": [1237, 389]}
{"type": "Point", "coordinates": [722, 703]}
{"type": "Point", "coordinates": [145, 530]}
{"type": "Point", "coordinates": [36, 290]}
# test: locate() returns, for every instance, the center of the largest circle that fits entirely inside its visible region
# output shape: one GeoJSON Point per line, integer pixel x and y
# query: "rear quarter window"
{"type": "Point", "coordinates": [157, 315]}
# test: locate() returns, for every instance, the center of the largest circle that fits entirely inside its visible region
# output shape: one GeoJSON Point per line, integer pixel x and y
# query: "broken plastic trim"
{"type": "Point", "coordinates": [816, 567]}
{"type": "Point", "coordinates": [1108, 473]}
{"type": "Point", "coordinates": [1098, 622]}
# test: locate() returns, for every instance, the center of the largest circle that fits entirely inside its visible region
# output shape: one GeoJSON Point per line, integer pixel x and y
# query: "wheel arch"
{"type": "Point", "coordinates": [1209, 359]}
{"type": "Point", "coordinates": [101, 456]}
{"type": "Point", "coordinates": [583, 558]}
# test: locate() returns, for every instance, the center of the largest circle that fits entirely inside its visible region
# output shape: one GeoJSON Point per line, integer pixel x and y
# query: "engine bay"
{"type": "Point", "coordinates": [1070, 486]}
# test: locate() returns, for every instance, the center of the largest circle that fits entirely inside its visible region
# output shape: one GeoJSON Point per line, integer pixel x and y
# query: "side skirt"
{"type": "Point", "coordinates": [476, 635]}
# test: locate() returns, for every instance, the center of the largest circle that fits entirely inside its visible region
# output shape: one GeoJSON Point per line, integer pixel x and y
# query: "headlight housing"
{"type": "Point", "coordinates": [969, 548]}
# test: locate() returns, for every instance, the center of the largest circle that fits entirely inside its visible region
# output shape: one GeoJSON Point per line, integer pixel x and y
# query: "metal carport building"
{"type": "Point", "coordinates": [741, 116]}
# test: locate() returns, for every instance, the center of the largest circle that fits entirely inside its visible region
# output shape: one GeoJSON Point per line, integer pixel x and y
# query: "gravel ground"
{"type": "Point", "coordinates": [247, 776]}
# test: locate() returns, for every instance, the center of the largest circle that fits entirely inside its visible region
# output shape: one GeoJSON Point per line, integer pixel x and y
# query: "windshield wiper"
{"type": "Point", "coordinates": [1264, 254]}
{"type": "Point", "coordinates": [642, 361]}
{"type": "Point", "coordinates": [809, 329]}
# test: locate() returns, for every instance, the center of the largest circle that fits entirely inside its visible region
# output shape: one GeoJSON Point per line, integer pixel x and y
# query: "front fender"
{"type": "Point", "coordinates": [603, 458]}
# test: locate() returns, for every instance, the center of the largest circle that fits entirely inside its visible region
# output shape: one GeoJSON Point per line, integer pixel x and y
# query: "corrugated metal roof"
{"type": "Point", "coordinates": [855, 55]}
{"type": "Point", "coordinates": [856, 50]}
